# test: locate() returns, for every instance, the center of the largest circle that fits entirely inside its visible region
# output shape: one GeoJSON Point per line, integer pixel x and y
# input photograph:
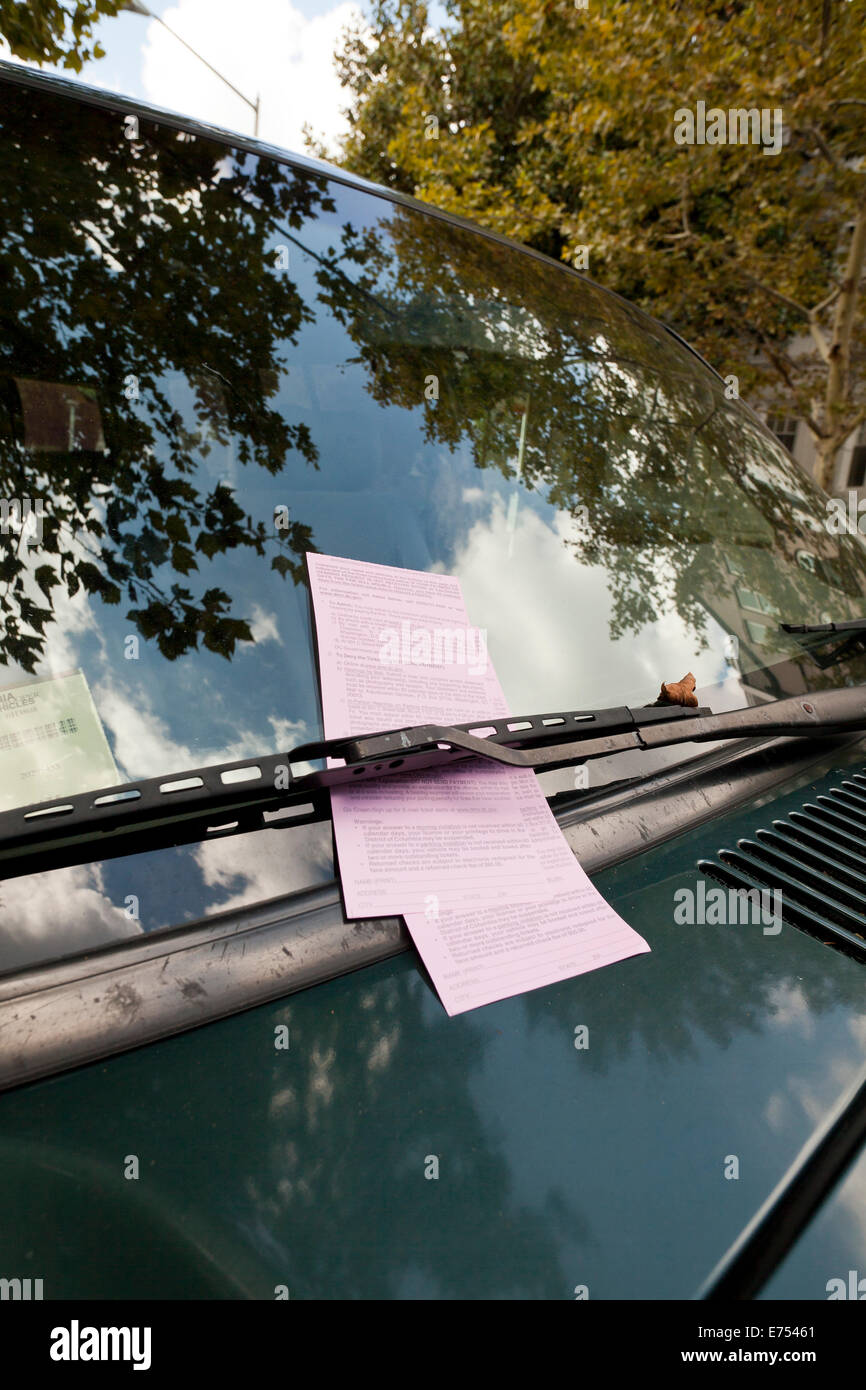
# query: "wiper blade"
{"type": "Point", "coordinates": [812, 636]}
{"type": "Point", "coordinates": [196, 804]}
{"type": "Point", "coordinates": [852, 625]}
{"type": "Point", "coordinates": [802, 716]}
{"type": "Point", "coordinates": [249, 792]}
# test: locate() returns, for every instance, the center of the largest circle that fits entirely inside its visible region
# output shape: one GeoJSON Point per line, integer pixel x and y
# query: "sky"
{"type": "Point", "coordinates": [281, 50]}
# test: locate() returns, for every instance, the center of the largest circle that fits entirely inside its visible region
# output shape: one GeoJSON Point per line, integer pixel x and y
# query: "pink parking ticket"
{"type": "Point", "coordinates": [396, 648]}
{"type": "Point", "coordinates": [471, 856]}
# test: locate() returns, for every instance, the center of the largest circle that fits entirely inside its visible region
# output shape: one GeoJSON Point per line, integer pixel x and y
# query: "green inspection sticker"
{"type": "Point", "coordinates": [52, 742]}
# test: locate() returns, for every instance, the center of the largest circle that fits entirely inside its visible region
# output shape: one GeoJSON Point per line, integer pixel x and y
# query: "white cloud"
{"type": "Point", "coordinates": [777, 1111]}
{"type": "Point", "coordinates": [266, 47]}
{"type": "Point", "coordinates": [789, 1008]}
{"type": "Point", "coordinates": [57, 914]}
{"type": "Point", "coordinates": [73, 617]}
{"type": "Point", "coordinates": [267, 864]}
{"type": "Point", "coordinates": [288, 732]}
{"type": "Point", "coordinates": [561, 638]}
{"type": "Point", "coordinates": [144, 746]}
{"type": "Point", "coordinates": [565, 659]}
{"type": "Point", "coordinates": [263, 626]}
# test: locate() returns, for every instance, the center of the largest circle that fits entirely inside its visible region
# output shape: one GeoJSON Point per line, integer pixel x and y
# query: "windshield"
{"type": "Point", "coordinates": [213, 361]}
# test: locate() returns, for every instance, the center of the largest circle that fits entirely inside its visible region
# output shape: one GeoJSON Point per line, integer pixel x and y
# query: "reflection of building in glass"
{"type": "Point", "coordinates": [851, 459]}
{"type": "Point", "coordinates": [753, 594]}
{"type": "Point", "coordinates": [857, 462]}
{"type": "Point", "coordinates": [784, 427]}
{"type": "Point", "coordinates": [59, 418]}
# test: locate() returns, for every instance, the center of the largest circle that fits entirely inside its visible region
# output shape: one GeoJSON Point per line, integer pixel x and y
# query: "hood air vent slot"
{"type": "Point", "coordinates": [816, 859]}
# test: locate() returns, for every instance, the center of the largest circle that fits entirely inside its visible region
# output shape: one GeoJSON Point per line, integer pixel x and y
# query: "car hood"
{"type": "Point", "coordinates": [610, 1136]}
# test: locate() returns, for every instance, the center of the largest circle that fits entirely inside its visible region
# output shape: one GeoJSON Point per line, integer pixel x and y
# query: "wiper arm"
{"type": "Point", "coordinates": [250, 791]}
{"type": "Point", "coordinates": [805, 716]}
{"type": "Point", "coordinates": [852, 625]}
{"type": "Point", "coordinates": [193, 805]}
{"type": "Point", "coordinates": [852, 635]}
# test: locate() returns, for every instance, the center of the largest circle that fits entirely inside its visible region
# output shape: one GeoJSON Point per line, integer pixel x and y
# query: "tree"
{"type": "Point", "coordinates": [658, 470]}
{"type": "Point", "coordinates": [146, 315]}
{"type": "Point", "coordinates": [128, 264]}
{"type": "Point", "coordinates": [51, 31]}
{"type": "Point", "coordinates": [558, 125]}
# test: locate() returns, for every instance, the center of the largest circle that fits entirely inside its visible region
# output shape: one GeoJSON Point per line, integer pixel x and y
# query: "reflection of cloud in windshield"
{"type": "Point", "coordinates": [789, 1008]}
{"type": "Point", "coordinates": [142, 739]}
{"type": "Point", "coordinates": [144, 746]}
{"type": "Point", "coordinates": [267, 864]}
{"type": "Point", "coordinates": [74, 617]}
{"type": "Point", "coordinates": [843, 1225]}
{"type": "Point", "coordinates": [264, 628]}
{"type": "Point", "coordinates": [564, 656]}
{"type": "Point", "coordinates": [74, 897]}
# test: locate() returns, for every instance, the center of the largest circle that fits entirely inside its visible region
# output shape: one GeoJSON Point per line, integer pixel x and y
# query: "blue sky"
{"type": "Point", "coordinates": [281, 50]}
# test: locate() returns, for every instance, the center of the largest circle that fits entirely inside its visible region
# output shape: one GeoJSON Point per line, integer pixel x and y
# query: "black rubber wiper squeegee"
{"type": "Point", "coordinates": [184, 806]}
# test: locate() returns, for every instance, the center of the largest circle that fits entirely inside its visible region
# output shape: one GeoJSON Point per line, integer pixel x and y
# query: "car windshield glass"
{"type": "Point", "coordinates": [212, 361]}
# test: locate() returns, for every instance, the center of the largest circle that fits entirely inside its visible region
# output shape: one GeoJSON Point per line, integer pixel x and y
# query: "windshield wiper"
{"type": "Point", "coordinates": [814, 636]}
{"type": "Point", "coordinates": [259, 791]}
{"type": "Point", "coordinates": [253, 793]}
{"type": "Point", "coordinates": [851, 625]}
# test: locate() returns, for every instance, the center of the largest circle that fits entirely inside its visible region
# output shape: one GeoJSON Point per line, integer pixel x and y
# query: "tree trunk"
{"type": "Point", "coordinates": [837, 393]}
{"type": "Point", "coordinates": [826, 450]}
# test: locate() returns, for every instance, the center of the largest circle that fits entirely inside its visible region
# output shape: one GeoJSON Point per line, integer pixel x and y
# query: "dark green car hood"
{"type": "Point", "coordinates": [308, 1169]}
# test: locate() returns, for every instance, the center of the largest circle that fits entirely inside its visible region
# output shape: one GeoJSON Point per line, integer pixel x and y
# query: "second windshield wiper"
{"type": "Point", "coordinates": [249, 794]}
{"type": "Point", "coordinates": [824, 629]}
{"type": "Point", "coordinates": [828, 644]}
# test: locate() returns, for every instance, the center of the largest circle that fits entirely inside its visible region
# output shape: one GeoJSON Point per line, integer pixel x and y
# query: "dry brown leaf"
{"type": "Point", "coordinates": [679, 692]}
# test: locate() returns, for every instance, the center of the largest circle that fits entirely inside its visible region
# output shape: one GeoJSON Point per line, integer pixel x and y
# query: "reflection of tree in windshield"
{"type": "Point", "coordinates": [147, 320]}
{"type": "Point", "coordinates": [364, 1086]}
{"type": "Point", "coordinates": [128, 266]}
{"type": "Point", "coordinates": [660, 473]}
{"type": "Point", "coordinates": [727, 988]}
